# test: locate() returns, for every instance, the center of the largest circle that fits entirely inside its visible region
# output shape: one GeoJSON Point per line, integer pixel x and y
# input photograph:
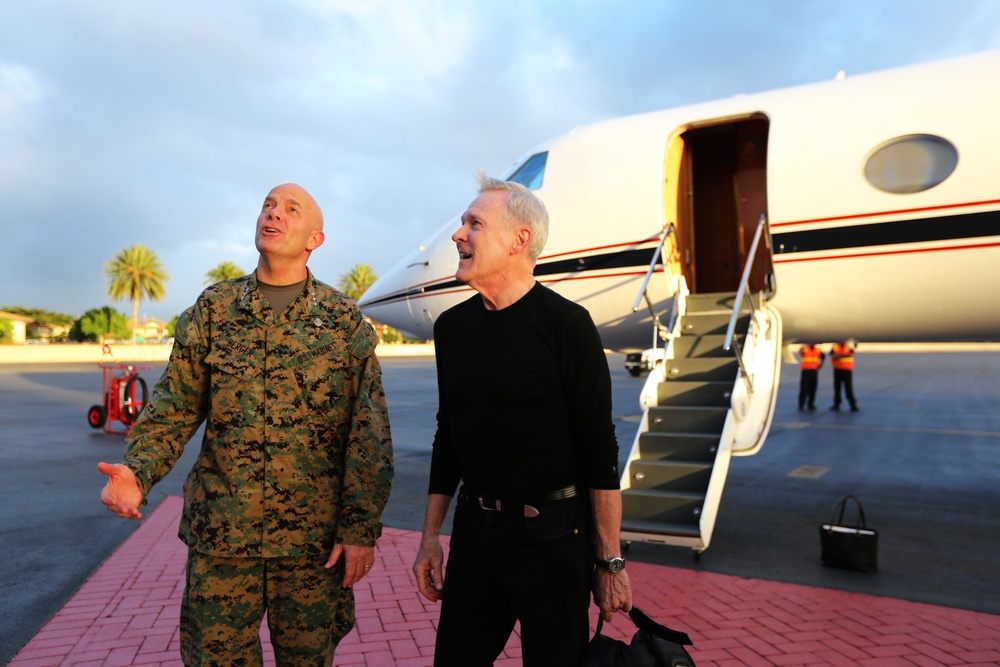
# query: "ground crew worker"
{"type": "Point", "coordinates": [842, 359]}
{"type": "Point", "coordinates": [282, 508]}
{"type": "Point", "coordinates": [811, 360]}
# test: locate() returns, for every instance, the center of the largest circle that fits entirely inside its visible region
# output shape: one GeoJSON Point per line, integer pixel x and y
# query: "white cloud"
{"type": "Point", "coordinates": [19, 91]}
{"type": "Point", "coordinates": [165, 122]}
{"type": "Point", "coordinates": [21, 94]}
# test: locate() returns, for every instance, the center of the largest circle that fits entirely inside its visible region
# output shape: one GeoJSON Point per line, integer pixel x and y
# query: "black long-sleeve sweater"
{"type": "Point", "coordinates": [524, 399]}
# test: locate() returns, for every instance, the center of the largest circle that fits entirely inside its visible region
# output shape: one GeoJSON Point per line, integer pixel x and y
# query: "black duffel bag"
{"type": "Point", "coordinates": [653, 645]}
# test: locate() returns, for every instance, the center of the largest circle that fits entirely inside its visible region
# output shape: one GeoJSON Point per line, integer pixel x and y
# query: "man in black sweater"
{"type": "Point", "coordinates": [524, 424]}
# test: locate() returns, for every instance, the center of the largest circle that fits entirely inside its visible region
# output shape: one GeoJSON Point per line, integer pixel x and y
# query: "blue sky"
{"type": "Point", "coordinates": [165, 122]}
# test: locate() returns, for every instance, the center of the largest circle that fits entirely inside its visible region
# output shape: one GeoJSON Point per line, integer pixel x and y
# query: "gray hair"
{"type": "Point", "coordinates": [522, 205]}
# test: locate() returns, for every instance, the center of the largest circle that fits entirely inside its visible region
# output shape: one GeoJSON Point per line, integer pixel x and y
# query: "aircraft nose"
{"type": "Point", "coordinates": [385, 302]}
{"type": "Point", "coordinates": [388, 300]}
{"type": "Point", "coordinates": [411, 294]}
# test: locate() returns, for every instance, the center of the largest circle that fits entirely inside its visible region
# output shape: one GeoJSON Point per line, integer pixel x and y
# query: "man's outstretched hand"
{"type": "Point", "coordinates": [121, 494]}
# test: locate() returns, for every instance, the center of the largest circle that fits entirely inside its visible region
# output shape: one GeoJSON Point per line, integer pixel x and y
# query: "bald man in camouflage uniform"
{"type": "Point", "coordinates": [282, 508]}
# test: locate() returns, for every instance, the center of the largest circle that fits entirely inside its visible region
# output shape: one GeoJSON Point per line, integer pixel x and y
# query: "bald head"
{"type": "Point", "coordinates": [296, 194]}
{"type": "Point", "coordinates": [289, 228]}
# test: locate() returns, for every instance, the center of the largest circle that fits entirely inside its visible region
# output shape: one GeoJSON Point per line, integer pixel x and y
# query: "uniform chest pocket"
{"type": "Point", "coordinates": [232, 394]}
{"type": "Point", "coordinates": [231, 366]}
{"type": "Point", "coordinates": [322, 385]}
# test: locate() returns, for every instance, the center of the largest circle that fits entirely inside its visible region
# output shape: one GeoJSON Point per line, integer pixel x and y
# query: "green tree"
{"type": "Point", "coordinates": [100, 323]}
{"type": "Point", "coordinates": [223, 271]}
{"type": "Point", "coordinates": [136, 274]}
{"type": "Point", "coordinates": [6, 330]}
{"type": "Point", "coordinates": [44, 322]}
{"type": "Point", "coordinates": [356, 282]}
{"type": "Point", "coordinates": [44, 316]}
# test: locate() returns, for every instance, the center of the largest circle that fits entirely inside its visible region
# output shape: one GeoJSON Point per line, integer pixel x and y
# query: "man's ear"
{"type": "Point", "coordinates": [522, 238]}
{"type": "Point", "coordinates": [316, 239]}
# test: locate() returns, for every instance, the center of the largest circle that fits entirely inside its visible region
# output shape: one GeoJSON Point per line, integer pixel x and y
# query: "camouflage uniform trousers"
{"type": "Point", "coordinates": [308, 610]}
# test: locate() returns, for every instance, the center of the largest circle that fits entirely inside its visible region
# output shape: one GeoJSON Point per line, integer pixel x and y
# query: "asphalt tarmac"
{"type": "Point", "coordinates": [923, 455]}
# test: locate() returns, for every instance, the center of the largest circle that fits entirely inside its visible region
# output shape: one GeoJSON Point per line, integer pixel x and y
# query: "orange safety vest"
{"type": "Point", "coordinates": [812, 357]}
{"type": "Point", "coordinates": [843, 357]}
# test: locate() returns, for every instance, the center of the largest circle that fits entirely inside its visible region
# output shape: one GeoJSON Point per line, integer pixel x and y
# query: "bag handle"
{"type": "Point", "coordinates": [644, 622]}
{"type": "Point", "coordinates": [838, 512]}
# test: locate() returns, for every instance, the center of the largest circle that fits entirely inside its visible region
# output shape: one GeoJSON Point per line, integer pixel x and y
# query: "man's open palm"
{"type": "Point", "coordinates": [121, 494]}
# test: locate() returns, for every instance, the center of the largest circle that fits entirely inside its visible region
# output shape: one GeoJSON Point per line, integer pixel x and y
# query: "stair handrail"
{"type": "Point", "coordinates": [652, 267]}
{"type": "Point", "coordinates": [742, 293]}
{"type": "Point", "coordinates": [643, 290]}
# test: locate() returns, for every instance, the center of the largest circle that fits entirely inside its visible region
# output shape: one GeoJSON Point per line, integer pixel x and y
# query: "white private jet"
{"type": "Point", "coordinates": [864, 207]}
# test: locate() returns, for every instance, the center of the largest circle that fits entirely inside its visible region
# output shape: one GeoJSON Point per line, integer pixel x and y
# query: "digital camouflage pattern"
{"type": "Point", "coordinates": [297, 453]}
{"type": "Point", "coordinates": [308, 612]}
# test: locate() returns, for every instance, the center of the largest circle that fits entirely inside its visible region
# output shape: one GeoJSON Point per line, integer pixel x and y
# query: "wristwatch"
{"type": "Point", "coordinates": [613, 565]}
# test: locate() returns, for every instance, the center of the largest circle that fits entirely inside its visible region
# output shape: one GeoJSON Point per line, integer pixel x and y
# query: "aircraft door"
{"type": "Point", "coordinates": [750, 182]}
{"type": "Point", "coordinates": [720, 177]}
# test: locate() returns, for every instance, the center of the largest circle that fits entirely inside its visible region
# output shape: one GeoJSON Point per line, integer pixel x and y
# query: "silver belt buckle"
{"type": "Point", "coordinates": [495, 508]}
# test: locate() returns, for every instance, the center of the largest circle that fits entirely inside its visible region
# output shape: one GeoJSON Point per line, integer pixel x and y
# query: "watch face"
{"type": "Point", "coordinates": [616, 565]}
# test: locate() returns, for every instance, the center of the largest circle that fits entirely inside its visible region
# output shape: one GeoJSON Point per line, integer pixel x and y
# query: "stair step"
{"type": "Point", "coordinates": [670, 476]}
{"type": "Point", "coordinates": [711, 323]}
{"type": "Point", "coordinates": [706, 368]}
{"type": "Point", "coordinates": [661, 512]}
{"type": "Point", "coordinates": [716, 302]}
{"type": "Point", "coordinates": [694, 447]}
{"type": "Point", "coordinates": [710, 302]}
{"type": "Point", "coordinates": [661, 528]}
{"type": "Point", "coordinates": [687, 419]}
{"type": "Point", "coordinates": [696, 346]}
{"type": "Point", "coordinates": [689, 392]}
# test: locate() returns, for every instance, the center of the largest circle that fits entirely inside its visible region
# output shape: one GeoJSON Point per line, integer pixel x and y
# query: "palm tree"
{"type": "Point", "coordinates": [356, 282]}
{"type": "Point", "coordinates": [224, 271]}
{"type": "Point", "coordinates": [134, 274]}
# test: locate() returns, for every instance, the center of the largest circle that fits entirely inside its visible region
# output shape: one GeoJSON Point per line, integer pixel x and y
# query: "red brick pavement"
{"type": "Point", "coordinates": [126, 614]}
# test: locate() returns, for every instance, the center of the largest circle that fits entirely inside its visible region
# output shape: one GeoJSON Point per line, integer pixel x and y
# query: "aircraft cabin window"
{"type": "Point", "coordinates": [531, 171]}
{"type": "Point", "coordinates": [912, 163]}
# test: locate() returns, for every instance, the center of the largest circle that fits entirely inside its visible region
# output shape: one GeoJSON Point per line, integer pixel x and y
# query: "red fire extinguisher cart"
{"type": "Point", "coordinates": [124, 392]}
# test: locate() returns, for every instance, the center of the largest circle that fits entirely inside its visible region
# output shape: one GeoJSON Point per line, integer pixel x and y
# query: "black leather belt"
{"type": "Point", "coordinates": [492, 504]}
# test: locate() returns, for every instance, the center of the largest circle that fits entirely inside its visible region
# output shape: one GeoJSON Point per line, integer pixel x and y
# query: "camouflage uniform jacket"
{"type": "Point", "coordinates": [297, 454]}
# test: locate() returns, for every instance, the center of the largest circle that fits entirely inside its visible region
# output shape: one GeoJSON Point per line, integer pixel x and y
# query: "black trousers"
{"type": "Point", "coordinates": [504, 567]}
{"type": "Point", "coordinates": [842, 378]}
{"type": "Point", "coordinates": [807, 388]}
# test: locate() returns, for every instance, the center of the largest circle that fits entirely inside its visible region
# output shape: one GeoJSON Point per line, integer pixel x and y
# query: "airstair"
{"type": "Point", "coordinates": [710, 395]}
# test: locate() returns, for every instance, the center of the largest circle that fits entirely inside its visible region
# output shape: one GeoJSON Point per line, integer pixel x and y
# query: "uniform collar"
{"type": "Point", "coordinates": [252, 300]}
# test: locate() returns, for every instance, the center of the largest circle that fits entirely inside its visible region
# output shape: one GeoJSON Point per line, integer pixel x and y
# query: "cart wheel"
{"type": "Point", "coordinates": [96, 416]}
{"type": "Point", "coordinates": [131, 409]}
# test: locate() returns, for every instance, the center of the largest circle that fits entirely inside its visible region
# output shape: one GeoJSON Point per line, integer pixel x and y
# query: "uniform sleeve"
{"type": "Point", "coordinates": [368, 460]}
{"type": "Point", "coordinates": [176, 409]}
{"type": "Point", "coordinates": [587, 382]}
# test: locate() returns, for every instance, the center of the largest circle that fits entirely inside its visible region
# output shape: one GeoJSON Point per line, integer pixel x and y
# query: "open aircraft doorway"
{"type": "Point", "coordinates": [721, 192]}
